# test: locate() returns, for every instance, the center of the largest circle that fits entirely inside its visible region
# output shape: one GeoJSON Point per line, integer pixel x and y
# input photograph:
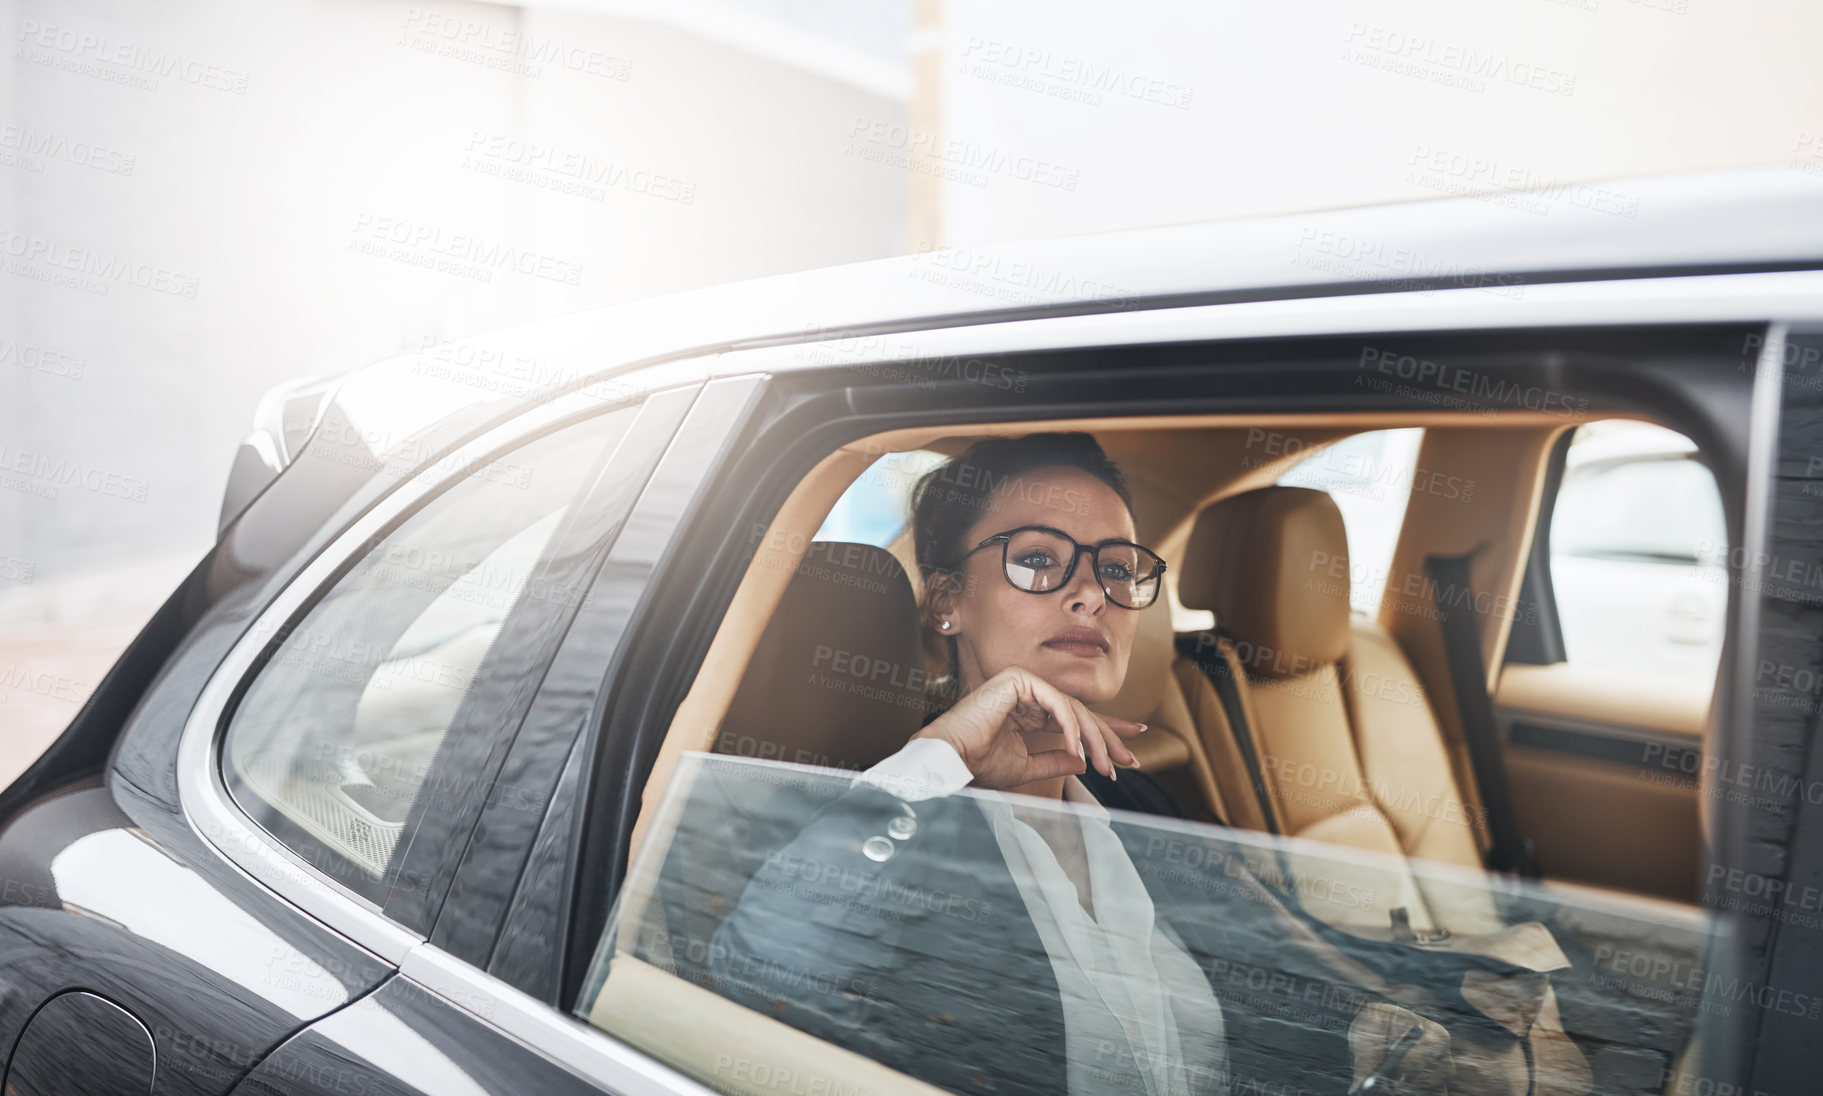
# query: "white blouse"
{"type": "Point", "coordinates": [1138, 1014]}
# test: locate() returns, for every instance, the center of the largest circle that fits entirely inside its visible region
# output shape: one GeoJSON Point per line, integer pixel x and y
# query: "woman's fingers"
{"type": "Point", "coordinates": [1062, 711]}
{"type": "Point", "coordinates": [1036, 719]}
{"type": "Point", "coordinates": [1095, 738]}
{"type": "Point", "coordinates": [1052, 763]}
{"type": "Point", "coordinates": [1118, 749]}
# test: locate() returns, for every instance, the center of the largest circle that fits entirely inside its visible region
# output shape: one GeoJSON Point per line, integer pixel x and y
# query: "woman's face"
{"type": "Point", "coordinates": [1073, 637]}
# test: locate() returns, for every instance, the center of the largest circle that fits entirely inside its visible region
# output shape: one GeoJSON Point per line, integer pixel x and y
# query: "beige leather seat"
{"type": "Point", "coordinates": [838, 677]}
{"type": "Point", "coordinates": [1349, 750]}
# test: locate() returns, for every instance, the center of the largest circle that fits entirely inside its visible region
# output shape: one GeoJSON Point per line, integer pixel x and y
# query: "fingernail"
{"type": "Point", "coordinates": [1142, 726]}
{"type": "Point", "coordinates": [1113, 773]}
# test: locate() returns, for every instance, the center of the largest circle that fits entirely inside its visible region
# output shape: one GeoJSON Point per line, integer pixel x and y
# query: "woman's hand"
{"type": "Point", "coordinates": [1000, 731]}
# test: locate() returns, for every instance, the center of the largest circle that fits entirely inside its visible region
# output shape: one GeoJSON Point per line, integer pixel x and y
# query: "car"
{"type": "Point", "coordinates": [1640, 554]}
{"type": "Point", "coordinates": [442, 770]}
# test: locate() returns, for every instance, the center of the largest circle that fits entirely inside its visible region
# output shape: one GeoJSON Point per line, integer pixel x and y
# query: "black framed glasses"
{"type": "Point", "coordinates": [1039, 559]}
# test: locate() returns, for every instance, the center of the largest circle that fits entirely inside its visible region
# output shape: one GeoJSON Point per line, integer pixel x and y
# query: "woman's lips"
{"type": "Point", "coordinates": [1080, 642]}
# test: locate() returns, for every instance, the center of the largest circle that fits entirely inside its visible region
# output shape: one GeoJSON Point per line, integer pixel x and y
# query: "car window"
{"type": "Point", "coordinates": [1638, 547]}
{"type": "Point", "coordinates": [331, 747]}
{"type": "Point", "coordinates": [877, 506]}
{"type": "Point", "coordinates": [1370, 476]}
{"type": "Point", "coordinates": [786, 928]}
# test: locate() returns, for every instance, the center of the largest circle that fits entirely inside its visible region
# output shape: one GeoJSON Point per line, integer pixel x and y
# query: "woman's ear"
{"type": "Point", "coordinates": [941, 604]}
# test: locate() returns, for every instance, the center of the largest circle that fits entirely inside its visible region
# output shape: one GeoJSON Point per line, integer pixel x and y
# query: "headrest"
{"type": "Point", "coordinates": [838, 677]}
{"type": "Point", "coordinates": [1272, 565]}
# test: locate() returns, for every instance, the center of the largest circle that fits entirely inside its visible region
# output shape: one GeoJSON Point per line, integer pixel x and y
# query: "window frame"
{"type": "Point", "coordinates": [489, 887]}
{"type": "Point", "coordinates": [601, 514]}
{"type": "Point", "coordinates": [206, 800]}
{"type": "Point", "coordinates": [819, 410]}
{"type": "Point", "coordinates": [1538, 641]}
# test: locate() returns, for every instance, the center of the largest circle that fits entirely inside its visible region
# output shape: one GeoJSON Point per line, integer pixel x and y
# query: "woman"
{"type": "Point", "coordinates": [1008, 942]}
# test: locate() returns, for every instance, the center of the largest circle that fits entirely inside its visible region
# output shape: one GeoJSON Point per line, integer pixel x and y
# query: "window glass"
{"type": "Point", "coordinates": [785, 928]}
{"type": "Point", "coordinates": [1638, 548]}
{"type": "Point", "coordinates": [1370, 477]}
{"type": "Point", "coordinates": [333, 741]}
{"type": "Point", "coordinates": [877, 507]}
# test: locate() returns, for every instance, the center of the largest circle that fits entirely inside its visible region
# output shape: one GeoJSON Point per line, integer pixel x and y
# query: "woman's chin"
{"type": "Point", "coordinates": [1082, 682]}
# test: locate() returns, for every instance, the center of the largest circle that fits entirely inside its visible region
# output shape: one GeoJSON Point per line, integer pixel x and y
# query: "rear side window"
{"type": "Point", "coordinates": [876, 508]}
{"type": "Point", "coordinates": [1370, 476]}
{"type": "Point", "coordinates": [1638, 553]}
{"type": "Point", "coordinates": [331, 747]}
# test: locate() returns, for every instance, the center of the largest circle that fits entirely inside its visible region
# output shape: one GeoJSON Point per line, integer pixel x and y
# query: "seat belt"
{"type": "Point", "coordinates": [1221, 676]}
{"type": "Point", "coordinates": [1508, 851]}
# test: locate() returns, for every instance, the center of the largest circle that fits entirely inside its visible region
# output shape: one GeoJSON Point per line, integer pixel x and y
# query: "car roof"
{"type": "Point", "coordinates": [1712, 222]}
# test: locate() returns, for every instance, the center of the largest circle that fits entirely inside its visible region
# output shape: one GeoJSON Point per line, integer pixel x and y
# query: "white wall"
{"type": "Point", "coordinates": [1327, 103]}
{"type": "Point", "coordinates": [245, 180]}
{"type": "Point", "coordinates": [258, 209]}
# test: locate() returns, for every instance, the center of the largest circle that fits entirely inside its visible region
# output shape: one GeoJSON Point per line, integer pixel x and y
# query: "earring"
{"type": "Point", "coordinates": [945, 625]}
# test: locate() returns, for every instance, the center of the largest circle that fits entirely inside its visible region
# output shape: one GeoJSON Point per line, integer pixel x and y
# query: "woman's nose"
{"type": "Point", "coordinates": [1084, 593]}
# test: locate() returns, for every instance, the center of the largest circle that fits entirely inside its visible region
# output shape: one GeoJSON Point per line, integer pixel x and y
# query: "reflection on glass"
{"type": "Point", "coordinates": [1639, 549]}
{"type": "Point", "coordinates": [336, 736]}
{"type": "Point", "coordinates": [789, 926]}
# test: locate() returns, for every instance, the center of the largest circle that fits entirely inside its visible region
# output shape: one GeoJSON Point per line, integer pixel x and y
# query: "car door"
{"type": "Point", "coordinates": [446, 1022]}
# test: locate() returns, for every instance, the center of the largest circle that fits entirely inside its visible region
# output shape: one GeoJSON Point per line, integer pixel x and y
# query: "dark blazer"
{"type": "Point", "coordinates": [894, 929]}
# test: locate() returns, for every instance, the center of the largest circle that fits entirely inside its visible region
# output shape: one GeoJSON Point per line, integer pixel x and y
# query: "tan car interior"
{"type": "Point", "coordinates": [1353, 715]}
{"type": "Point", "coordinates": [1355, 676]}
